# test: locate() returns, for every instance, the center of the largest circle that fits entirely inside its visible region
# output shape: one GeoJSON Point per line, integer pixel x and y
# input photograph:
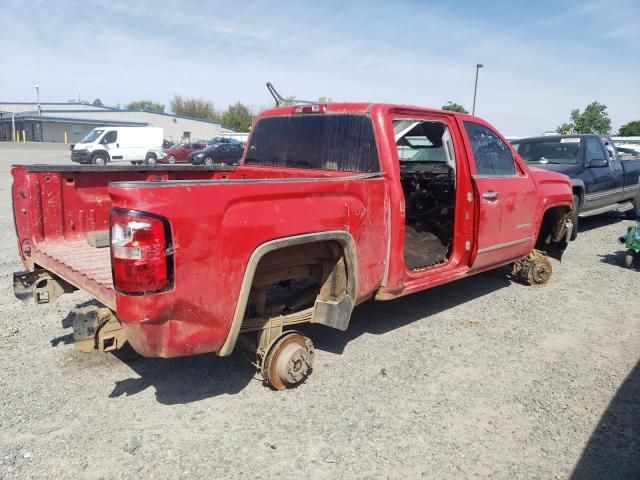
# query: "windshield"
{"type": "Point", "coordinates": [565, 151]}
{"type": "Point", "coordinates": [420, 141]}
{"type": "Point", "coordinates": [322, 141]}
{"type": "Point", "coordinates": [93, 136]}
{"type": "Point", "coordinates": [433, 154]}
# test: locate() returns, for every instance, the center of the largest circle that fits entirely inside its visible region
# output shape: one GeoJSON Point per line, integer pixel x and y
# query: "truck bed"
{"type": "Point", "coordinates": [56, 206]}
{"type": "Point", "coordinates": [80, 264]}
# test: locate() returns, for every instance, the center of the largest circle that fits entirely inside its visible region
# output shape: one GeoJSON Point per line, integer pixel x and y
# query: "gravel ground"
{"type": "Point", "coordinates": [479, 378]}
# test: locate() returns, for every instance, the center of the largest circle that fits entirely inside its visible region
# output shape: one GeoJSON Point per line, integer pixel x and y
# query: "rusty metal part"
{"type": "Point", "coordinates": [535, 269]}
{"type": "Point", "coordinates": [40, 285]}
{"type": "Point", "coordinates": [97, 328]}
{"type": "Point", "coordinates": [254, 324]}
{"type": "Point", "coordinates": [289, 361]}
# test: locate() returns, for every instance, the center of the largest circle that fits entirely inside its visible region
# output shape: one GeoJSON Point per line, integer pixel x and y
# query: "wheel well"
{"type": "Point", "coordinates": [578, 191]}
{"type": "Point", "coordinates": [101, 152]}
{"type": "Point", "coordinates": [553, 227]}
{"type": "Point", "coordinates": [283, 259]}
{"type": "Point", "coordinates": [291, 279]}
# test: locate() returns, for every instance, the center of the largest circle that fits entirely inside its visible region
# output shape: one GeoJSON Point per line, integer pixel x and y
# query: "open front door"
{"type": "Point", "coordinates": [505, 197]}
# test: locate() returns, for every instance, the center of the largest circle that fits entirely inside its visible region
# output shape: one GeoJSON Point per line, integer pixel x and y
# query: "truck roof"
{"type": "Point", "coordinates": [359, 107]}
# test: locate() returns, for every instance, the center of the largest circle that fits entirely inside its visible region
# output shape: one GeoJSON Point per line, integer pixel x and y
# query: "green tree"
{"type": "Point", "coordinates": [194, 107]}
{"type": "Point", "coordinates": [288, 101]}
{"type": "Point", "coordinates": [237, 116]}
{"type": "Point", "coordinates": [145, 105]}
{"type": "Point", "coordinates": [565, 129]}
{"type": "Point", "coordinates": [631, 129]}
{"type": "Point", "coordinates": [594, 119]}
{"type": "Point", "coordinates": [97, 103]}
{"type": "Point", "coordinates": [454, 107]}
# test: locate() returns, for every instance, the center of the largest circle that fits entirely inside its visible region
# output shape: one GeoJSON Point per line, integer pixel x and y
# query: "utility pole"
{"type": "Point", "coordinates": [38, 98]}
{"type": "Point", "coordinates": [475, 88]}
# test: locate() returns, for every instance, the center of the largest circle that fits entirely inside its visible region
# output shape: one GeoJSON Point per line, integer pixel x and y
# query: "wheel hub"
{"type": "Point", "coordinates": [293, 363]}
{"type": "Point", "coordinates": [541, 274]}
{"type": "Point", "coordinates": [289, 361]}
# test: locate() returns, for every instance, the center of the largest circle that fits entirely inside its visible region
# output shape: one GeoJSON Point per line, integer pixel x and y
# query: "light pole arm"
{"type": "Point", "coordinates": [475, 89]}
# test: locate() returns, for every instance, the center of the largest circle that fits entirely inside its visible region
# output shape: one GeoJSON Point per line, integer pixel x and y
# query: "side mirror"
{"type": "Point", "coordinates": [599, 162]}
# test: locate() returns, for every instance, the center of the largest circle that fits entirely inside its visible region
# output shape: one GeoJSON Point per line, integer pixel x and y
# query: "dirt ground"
{"type": "Point", "coordinates": [479, 378]}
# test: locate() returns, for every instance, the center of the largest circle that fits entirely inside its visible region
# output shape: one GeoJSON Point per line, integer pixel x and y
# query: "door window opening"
{"type": "Point", "coordinates": [428, 178]}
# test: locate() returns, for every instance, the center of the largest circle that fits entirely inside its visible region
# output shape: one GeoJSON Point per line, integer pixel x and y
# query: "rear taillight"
{"type": "Point", "coordinates": [141, 252]}
{"type": "Point", "coordinates": [314, 108]}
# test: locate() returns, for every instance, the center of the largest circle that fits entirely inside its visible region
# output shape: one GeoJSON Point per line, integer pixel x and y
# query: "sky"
{"type": "Point", "coordinates": [541, 59]}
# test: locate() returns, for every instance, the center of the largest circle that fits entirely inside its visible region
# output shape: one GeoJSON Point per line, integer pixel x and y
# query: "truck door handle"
{"type": "Point", "coordinates": [491, 196]}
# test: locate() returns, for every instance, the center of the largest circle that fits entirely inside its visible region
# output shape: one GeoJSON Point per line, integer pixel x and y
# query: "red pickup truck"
{"type": "Point", "coordinates": [332, 204]}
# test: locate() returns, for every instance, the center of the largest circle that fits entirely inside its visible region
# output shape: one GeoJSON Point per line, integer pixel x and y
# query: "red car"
{"type": "Point", "coordinates": [180, 152]}
{"type": "Point", "coordinates": [330, 206]}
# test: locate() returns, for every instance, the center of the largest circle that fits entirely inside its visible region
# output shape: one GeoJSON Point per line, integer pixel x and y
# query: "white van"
{"type": "Point", "coordinates": [119, 144]}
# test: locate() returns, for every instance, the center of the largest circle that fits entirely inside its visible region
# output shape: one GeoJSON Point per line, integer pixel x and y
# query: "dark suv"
{"type": "Point", "coordinates": [217, 153]}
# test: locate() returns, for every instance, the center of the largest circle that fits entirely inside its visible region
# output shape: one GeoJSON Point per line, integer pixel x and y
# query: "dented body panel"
{"type": "Point", "coordinates": [222, 219]}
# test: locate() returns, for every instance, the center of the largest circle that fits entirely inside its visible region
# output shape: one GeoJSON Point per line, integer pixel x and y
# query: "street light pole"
{"type": "Point", "coordinates": [38, 97]}
{"type": "Point", "coordinates": [475, 88]}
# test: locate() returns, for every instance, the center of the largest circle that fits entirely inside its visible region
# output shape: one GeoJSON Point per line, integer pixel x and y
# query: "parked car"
{"type": "Point", "coordinates": [320, 216]}
{"type": "Point", "coordinates": [105, 145]}
{"type": "Point", "coordinates": [600, 181]}
{"type": "Point", "coordinates": [179, 153]}
{"type": "Point", "coordinates": [628, 151]}
{"type": "Point", "coordinates": [229, 153]}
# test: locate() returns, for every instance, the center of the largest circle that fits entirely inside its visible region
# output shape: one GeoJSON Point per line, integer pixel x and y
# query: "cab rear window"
{"type": "Point", "coordinates": [325, 142]}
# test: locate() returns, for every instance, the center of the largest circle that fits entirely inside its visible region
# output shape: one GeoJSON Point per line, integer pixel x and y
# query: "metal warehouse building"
{"type": "Point", "coordinates": [50, 122]}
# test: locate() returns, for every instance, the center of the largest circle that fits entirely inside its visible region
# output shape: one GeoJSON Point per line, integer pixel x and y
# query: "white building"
{"type": "Point", "coordinates": [49, 122]}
